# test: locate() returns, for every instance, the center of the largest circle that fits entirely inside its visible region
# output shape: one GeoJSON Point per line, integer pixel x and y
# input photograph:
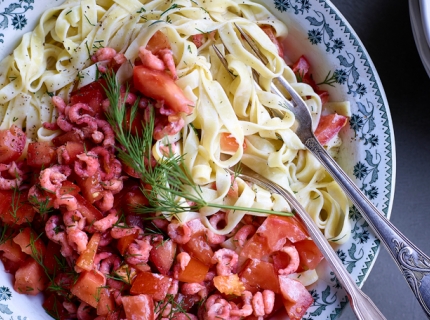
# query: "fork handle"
{"type": "Point", "coordinates": [413, 263]}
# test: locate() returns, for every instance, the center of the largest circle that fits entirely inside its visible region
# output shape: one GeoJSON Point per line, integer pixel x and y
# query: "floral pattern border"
{"type": "Point", "coordinates": [327, 31]}
{"type": "Point", "coordinates": [353, 68]}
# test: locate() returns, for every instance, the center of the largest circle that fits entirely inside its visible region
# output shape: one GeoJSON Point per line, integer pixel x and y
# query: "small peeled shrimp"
{"type": "Point", "coordinates": [183, 259]}
{"type": "Point", "coordinates": [106, 202]}
{"type": "Point", "coordinates": [258, 304]}
{"type": "Point", "coordinates": [294, 260]}
{"type": "Point", "coordinates": [150, 60]}
{"type": "Point", "coordinates": [9, 184]}
{"type": "Point", "coordinates": [138, 251]}
{"type": "Point", "coordinates": [87, 164]}
{"type": "Point", "coordinates": [74, 220]}
{"type": "Point", "coordinates": [77, 238]}
{"type": "Point", "coordinates": [246, 310]}
{"type": "Point", "coordinates": [167, 56]}
{"type": "Point", "coordinates": [51, 178]}
{"type": "Point", "coordinates": [269, 301]}
{"type": "Point", "coordinates": [121, 231]}
{"type": "Point", "coordinates": [226, 260]}
{"type": "Point", "coordinates": [180, 233]}
{"type": "Point", "coordinates": [75, 111]}
{"type": "Point", "coordinates": [103, 54]}
{"type": "Point", "coordinates": [52, 228]}
{"type": "Point", "coordinates": [67, 200]}
{"type": "Point", "coordinates": [243, 234]}
{"type": "Point", "coordinates": [107, 132]}
{"type": "Point", "coordinates": [194, 288]}
{"type": "Point", "coordinates": [217, 308]}
{"type": "Point", "coordinates": [107, 222]}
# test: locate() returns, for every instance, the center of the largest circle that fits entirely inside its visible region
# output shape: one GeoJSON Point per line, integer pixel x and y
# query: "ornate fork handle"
{"type": "Point", "coordinates": [363, 307]}
{"type": "Point", "coordinates": [414, 264]}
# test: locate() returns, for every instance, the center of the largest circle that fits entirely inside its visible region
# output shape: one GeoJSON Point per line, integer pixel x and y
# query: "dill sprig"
{"type": "Point", "coordinates": [172, 190]}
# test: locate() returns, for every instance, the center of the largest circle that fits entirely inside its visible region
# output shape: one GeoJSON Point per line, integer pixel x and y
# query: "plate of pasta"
{"type": "Point", "coordinates": [121, 136]}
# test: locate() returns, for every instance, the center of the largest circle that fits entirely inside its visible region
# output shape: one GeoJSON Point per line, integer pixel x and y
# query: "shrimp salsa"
{"type": "Point", "coordinates": [72, 230]}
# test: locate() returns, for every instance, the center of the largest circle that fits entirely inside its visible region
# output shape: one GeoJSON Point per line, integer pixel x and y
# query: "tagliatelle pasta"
{"type": "Point", "coordinates": [55, 59]}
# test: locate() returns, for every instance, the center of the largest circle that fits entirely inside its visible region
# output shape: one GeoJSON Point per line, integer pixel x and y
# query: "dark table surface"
{"type": "Point", "coordinates": [384, 28]}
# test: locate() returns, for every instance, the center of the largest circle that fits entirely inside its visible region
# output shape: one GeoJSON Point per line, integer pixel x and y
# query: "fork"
{"type": "Point", "coordinates": [362, 305]}
{"type": "Point", "coordinates": [412, 262]}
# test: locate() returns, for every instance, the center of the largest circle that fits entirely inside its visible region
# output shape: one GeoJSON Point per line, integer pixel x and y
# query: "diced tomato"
{"type": "Point", "coordinates": [73, 148]}
{"type": "Point", "coordinates": [160, 86]}
{"type": "Point", "coordinates": [256, 274]}
{"type": "Point", "coordinates": [134, 197]}
{"type": "Point", "coordinates": [229, 143]}
{"type": "Point", "coordinates": [272, 235]}
{"type": "Point", "coordinates": [270, 32]}
{"type": "Point", "coordinates": [152, 284]}
{"type": "Point", "coordinates": [229, 285]}
{"type": "Point", "coordinates": [30, 278]}
{"type": "Point", "coordinates": [277, 228]}
{"type": "Point", "coordinates": [329, 126]}
{"type": "Point", "coordinates": [158, 42]}
{"type": "Point", "coordinates": [50, 260]}
{"type": "Point", "coordinates": [86, 258]}
{"type": "Point", "coordinates": [69, 188]}
{"type": "Point", "coordinates": [195, 271]}
{"type": "Point", "coordinates": [72, 136]}
{"type": "Point", "coordinates": [199, 248]}
{"type": "Point", "coordinates": [15, 208]}
{"type": "Point", "coordinates": [301, 69]}
{"type": "Point", "coordinates": [87, 287]}
{"type": "Point", "coordinates": [91, 187]}
{"type": "Point", "coordinates": [90, 212]}
{"type": "Point", "coordinates": [140, 307]}
{"type": "Point", "coordinates": [310, 255]}
{"type": "Point", "coordinates": [106, 302]}
{"type": "Point", "coordinates": [12, 143]}
{"type": "Point", "coordinates": [297, 299]}
{"type": "Point", "coordinates": [91, 97]}
{"type": "Point", "coordinates": [30, 243]}
{"type": "Point", "coordinates": [162, 255]}
{"type": "Point", "coordinates": [12, 251]}
{"type": "Point", "coordinates": [40, 154]}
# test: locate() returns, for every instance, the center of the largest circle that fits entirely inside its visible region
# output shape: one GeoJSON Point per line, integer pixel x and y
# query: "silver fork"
{"type": "Point", "coordinates": [413, 262]}
{"type": "Point", "coordinates": [362, 305]}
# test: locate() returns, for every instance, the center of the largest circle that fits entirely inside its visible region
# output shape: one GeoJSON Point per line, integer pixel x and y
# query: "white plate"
{"type": "Point", "coordinates": [319, 31]}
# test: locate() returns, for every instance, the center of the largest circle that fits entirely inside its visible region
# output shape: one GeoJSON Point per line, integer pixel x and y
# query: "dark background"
{"type": "Point", "coordinates": [384, 28]}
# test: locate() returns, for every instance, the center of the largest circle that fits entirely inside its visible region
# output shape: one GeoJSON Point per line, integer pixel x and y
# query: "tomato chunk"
{"type": "Point", "coordinates": [199, 248]}
{"type": "Point", "coordinates": [12, 143]}
{"type": "Point", "coordinates": [15, 208]}
{"type": "Point", "coordinates": [329, 126]}
{"type": "Point", "coordinates": [90, 212]}
{"type": "Point", "coordinates": [87, 287]}
{"type": "Point", "coordinates": [30, 278]}
{"type": "Point", "coordinates": [12, 251]}
{"type": "Point", "coordinates": [106, 302]}
{"type": "Point", "coordinates": [30, 243]}
{"type": "Point", "coordinates": [297, 299]}
{"type": "Point", "coordinates": [86, 259]}
{"type": "Point", "coordinates": [162, 255]}
{"type": "Point", "coordinates": [310, 255]}
{"type": "Point", "coordinates": [140, 307]}
{"type": "Point", "coordinates": [270, 32]}
{"type": "Point", "coordinates": [40, 154]}
{"type": "Point", "coordinates": [160, 86]}
{"type": "Point", "coordinates": [158, 42]}
{"type": "Point", "coordinates": [152, 284]}
{"type": "Point", "coordinates": [195, 271]}
{"type": "Point", "coordinates": [229, 143]}
{"type": "Point", "coordinates": [257, 274]}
